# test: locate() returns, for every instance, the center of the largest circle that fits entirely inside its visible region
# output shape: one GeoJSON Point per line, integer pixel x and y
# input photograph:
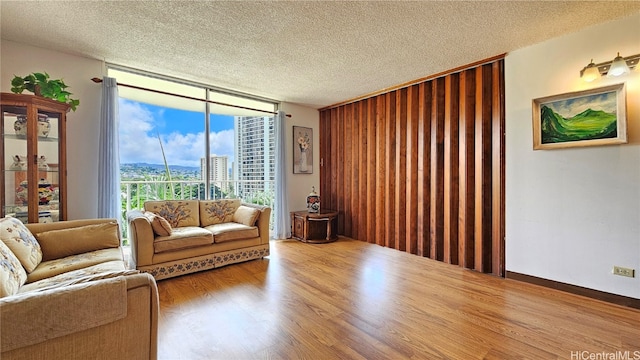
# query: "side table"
{"type": "Point", "coordinates": [314, 228]}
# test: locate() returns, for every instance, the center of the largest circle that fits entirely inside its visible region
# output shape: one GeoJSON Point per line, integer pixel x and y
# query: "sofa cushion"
{"type": "Point", "coordinates": [159, 224]}
{"type": "Point", "coordinates": [61, 243]}
{"type": "Point", "coordinates": [246, 215]}
{"type": "Point", "coordinates": [232, 231]}
{"type": "Point", "coordinates": [217, 211]}
{"type": "Point", "coordinates": [51, 268]}
{"type": "Point", "coordinates": [12, 274]}
{"type": "Point", "coordinates": [177, 212]}
{"type": "Point", "coordinates": [41, 319]}
{"type": "Point", "coordinates": [109, 269]}
{"type": "Point", "coordinates": [182, 238]}
{"type": "Point", "coordinates": [21, 242]}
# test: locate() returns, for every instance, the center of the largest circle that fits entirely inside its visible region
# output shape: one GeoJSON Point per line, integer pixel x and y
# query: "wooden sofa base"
{"type": "Point", "coordinates": [205, 262]}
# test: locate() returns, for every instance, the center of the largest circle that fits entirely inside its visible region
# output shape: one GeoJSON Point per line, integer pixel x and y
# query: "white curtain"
{"type": "Point", "coordinates": [109, 201]}
{"type": "Point", "coordinates": [282, 227]}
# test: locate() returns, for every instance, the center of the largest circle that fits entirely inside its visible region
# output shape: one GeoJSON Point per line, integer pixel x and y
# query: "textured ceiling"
{"type": "Point", "coordinates": [310, 53]}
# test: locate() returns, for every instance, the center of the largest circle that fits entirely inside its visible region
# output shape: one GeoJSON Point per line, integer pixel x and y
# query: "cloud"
{"type": "Point", "coordinates": [138, 130]}
{"type": "Point", "coordinates": [571, 107]}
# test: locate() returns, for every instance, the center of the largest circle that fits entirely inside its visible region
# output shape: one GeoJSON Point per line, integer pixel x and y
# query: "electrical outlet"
{"type": "Point", "coordinates": [622, 271]}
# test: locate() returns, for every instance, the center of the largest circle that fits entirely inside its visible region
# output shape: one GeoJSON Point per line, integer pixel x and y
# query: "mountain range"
{"type": "Point", "coordinates": [587, 125]}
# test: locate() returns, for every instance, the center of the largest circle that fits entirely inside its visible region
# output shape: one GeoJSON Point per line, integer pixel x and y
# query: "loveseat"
{"type": "Point", "coordinates": [66, 293]}
{"type": "Point", "coordinates": [177, 237]}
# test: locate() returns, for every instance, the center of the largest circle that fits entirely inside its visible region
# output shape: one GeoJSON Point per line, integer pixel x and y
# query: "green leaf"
{"type": "Point", "coordinates": [17, 81]}
{"type": "Point", "coordinates": [74, 104]}
{"type": "Point", "coordinates": [49, 88]}
{"type": "Point", "coordinates": [41, 77]}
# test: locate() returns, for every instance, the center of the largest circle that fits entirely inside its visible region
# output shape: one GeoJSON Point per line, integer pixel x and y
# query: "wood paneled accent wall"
{"type": "Point", "coordinates": [421, 169]}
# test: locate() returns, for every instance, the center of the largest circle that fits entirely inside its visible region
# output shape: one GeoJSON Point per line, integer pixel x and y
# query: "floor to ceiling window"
{"type": "Point", "coordinates": [180, 147]}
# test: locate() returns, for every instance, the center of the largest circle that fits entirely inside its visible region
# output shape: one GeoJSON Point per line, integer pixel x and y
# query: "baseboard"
{"type": "Point", "coordinates": [578, 290]}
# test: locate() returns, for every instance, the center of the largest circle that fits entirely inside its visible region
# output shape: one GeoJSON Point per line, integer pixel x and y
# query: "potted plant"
{"type": "Point", "coordinates": [42, 85]}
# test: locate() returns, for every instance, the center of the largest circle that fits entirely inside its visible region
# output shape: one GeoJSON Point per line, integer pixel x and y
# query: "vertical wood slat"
{"type": "Point", "coordinates": [421, 169]}
{"type": "Point", "coordinates": [390, 153]}
{"type": "Point", "coordinates": [466, 171]}
{"type": "Point", "coordinates": [324, 121]}
{"type": "Point", "coordinates": [424, 135]}
{"type": "Point", "coordinates": [437, 171]}
{"type": "Point", "coordinates": [451, 178]}
{"type": "Point", "coordinates": [348, 166]}
{"type": "Point", "coordinates": [333, 162]}
{"type": "Point", "coordinates": [339, 138]}
{"type": "Point", "coordinates": [354, 152]}
{"type": "Point", "coordinates": [362, 172]}
{"type": "Point", "coordinates": [411, 195]}
{"type": "Point", "coordinates": [401, 169]}
{"type": "Point", "coordinates": [422, 214]}
{"type": "Point", "coordinates": [381, 178]}
{"type": "Point", "coordinates": [498, 170]}
{"type": "Point", "coordinates": [371, 174]}
{"type": "Point", "coordinates": [479, 224]}
{"type": "Point", "coordinates": [487, 168]}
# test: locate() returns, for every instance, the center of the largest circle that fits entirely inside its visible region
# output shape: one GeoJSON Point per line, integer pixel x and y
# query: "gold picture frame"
{"type": "Point", "coordinates": [581, 118]}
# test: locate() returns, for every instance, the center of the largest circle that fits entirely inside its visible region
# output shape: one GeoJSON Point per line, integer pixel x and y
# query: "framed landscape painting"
{"type": "Point", "coordinates": [582, 118]}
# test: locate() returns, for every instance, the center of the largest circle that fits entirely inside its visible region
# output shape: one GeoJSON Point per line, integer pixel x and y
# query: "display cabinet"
{"type": "Point", "coordinates": [33, 158]}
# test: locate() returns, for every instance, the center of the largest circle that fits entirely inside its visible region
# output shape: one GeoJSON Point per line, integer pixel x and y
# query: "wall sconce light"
{"type": "Point", "coordinates": [616, 67]}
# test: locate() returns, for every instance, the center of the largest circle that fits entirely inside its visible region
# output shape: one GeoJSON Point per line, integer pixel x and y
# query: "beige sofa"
{"type": "Point", "coordinates": [176, 237]}
{"type": "Point", "coordinates": [68, 294]}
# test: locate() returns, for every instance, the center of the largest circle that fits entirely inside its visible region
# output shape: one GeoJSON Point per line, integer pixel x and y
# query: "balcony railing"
{"type": "Point", "coordinates": [135, 193]}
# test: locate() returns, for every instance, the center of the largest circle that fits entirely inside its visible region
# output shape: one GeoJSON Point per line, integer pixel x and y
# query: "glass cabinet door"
{"type": "Point", "coordinates": [48, 187]}
{"type": "Point", "coordinates": [15, 161]}
{"type": "Point", "coordinates": [32, 174]}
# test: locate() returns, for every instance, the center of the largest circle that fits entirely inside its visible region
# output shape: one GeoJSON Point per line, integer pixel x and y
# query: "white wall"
{"type": "Point", "coordinates": [82, 125]}
{"type": "Point", "coordinates": [572, 214]}
{"type": "Point", "coordinates": [300, 184]}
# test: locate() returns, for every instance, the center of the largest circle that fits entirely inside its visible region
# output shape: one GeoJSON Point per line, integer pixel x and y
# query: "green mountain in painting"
{"type": "Point", "coordinates": [588, 125]}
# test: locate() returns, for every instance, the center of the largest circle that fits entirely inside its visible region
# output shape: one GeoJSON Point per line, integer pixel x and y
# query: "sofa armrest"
{"type": "Point", "coordinates": [141, 237]}
{"type": "Point", "coordinates": [117, 316]}
{"type": "Point", "coordinates": [262, 222]}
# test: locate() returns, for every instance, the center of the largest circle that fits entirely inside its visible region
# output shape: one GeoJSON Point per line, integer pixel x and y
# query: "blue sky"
{"type": "Point", "coordinates": [181, 132]}
{"type": "Point", "coordinates": [187, 121]}
{"type": "Point", "coordinates": [574, 106]}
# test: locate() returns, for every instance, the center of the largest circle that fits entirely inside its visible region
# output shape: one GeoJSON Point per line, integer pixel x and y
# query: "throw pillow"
{"type": "Point", "coordinates": [246, 215]}
{"type": "Point", "coordinates": [217, 211]}
{"type": "Point", "coordinates": [12, 274]}
{"type": "Point", "coordinates": [19, 239]}
{"type": "Point", "coordinates": [159, 224]}
{"type": "Point", "coordinates": [61, 243]}
{"type": "Point", "coordinates": [178, 213]}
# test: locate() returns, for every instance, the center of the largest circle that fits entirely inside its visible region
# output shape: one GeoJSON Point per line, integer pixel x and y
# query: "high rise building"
{"type": "Point", "coordinates": [218, 171]}
{"type": "Point", "coordinates": [254, 166]}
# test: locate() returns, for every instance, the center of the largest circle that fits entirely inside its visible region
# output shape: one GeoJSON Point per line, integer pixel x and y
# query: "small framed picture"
{"type": "Point", "coordinates": [302, 150]}
{"type": "Point", "coordinates": [582, 118]}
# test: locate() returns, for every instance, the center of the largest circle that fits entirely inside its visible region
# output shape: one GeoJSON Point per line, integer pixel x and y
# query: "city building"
{"type": "Point", "coordinates": [254, 167]}
{"type": "Point", "coordinates": [218, 171]}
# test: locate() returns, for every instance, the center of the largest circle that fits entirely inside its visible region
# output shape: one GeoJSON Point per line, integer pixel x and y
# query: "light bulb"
{"type": "Point", "coordinates": [618, 67]}
{"type": "Point", "coordinates": [590, 72]}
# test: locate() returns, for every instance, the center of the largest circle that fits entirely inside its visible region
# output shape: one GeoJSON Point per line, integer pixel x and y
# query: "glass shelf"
{"type": "Point", "coordinates": [24, 137]}
{"type": "Point", "coordinates": [25, 170]}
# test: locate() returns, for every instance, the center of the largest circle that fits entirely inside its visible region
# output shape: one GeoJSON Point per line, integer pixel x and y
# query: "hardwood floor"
{"type": "Point", "coordinates": [354, 300]}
